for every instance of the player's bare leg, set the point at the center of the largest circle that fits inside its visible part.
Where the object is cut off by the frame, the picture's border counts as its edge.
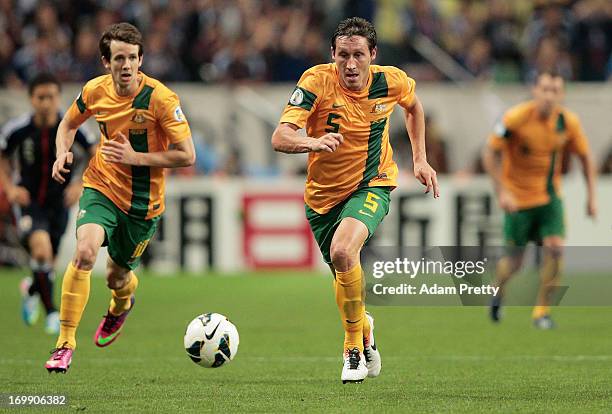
(507, 267)
(75, 293)
(122, 283)
(41, 257)
(550, 273)
(350, 294)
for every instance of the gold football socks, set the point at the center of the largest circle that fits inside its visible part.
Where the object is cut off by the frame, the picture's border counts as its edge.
(349, 298)
(120, 302)
(75, 293)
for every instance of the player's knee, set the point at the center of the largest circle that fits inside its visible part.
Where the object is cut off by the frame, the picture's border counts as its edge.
(342, 256)
(339, 255)
(41, 253)
(85, 256)
(554, 250)
(516, 263)
(40, 247)
(508, 266)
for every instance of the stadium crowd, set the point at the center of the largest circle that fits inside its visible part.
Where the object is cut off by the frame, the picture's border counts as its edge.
(276, 40)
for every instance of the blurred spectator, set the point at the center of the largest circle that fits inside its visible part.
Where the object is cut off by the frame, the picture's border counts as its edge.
(85, 63)
(41, 55)
(592, 39)
(503, 30)
(550, 56)
(477, 60)
(275, 40)
(237, 63)
(424, 19)
(421, 19)
(550, 19)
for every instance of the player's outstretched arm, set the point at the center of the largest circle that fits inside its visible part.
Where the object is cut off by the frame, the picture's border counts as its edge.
(415, 125)
(73, 191)
(14, 193)
(63, 142)
(588, 170)
(286, 139)
(119, 150)
(492, 162)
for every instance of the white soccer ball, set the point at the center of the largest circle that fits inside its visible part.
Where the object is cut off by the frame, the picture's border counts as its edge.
(211, 340)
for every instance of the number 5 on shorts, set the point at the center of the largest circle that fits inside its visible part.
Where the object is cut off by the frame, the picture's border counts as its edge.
(370, 202)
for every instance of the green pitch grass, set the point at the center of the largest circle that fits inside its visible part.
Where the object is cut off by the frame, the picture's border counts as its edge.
(434, 359)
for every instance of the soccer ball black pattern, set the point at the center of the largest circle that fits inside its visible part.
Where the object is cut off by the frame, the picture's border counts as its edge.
(211, 340)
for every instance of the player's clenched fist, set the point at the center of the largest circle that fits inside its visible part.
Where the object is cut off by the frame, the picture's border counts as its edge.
(62, 166)
(328, 142)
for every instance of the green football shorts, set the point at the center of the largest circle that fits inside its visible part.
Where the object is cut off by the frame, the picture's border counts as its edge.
(368, 205)
(126, 237)
(534, 224)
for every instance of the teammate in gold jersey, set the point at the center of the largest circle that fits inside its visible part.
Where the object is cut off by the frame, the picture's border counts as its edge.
(524, 160)
(345, 107)
(143, 131)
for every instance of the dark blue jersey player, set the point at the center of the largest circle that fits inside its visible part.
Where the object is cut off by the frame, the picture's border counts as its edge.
(27, 147)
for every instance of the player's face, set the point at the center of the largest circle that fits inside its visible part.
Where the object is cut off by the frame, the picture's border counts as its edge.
(353, 59)
(45, 99)
(548, 93)
(124, 64)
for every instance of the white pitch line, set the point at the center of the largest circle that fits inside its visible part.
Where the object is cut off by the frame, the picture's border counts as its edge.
(291, 359)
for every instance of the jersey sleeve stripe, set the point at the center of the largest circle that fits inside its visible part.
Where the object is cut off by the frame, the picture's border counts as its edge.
(302, 98)
(379, 88)
(80, 103)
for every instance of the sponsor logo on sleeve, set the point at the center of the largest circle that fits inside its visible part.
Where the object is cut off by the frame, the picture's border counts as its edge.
(297, 97)
(178, 114)
(500, 129)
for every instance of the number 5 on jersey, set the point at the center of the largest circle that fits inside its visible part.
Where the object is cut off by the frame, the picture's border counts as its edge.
(335, 127)
(370, 202)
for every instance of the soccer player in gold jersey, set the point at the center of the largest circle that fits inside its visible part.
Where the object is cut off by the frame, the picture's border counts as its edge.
(345, 107)
(524, 159)
(143, 131)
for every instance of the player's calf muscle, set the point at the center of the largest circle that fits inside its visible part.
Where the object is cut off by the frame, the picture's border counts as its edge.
(117, 277)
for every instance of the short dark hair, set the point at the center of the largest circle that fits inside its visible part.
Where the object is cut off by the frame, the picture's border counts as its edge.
(355, 26)
(123, 32)
(43, 78)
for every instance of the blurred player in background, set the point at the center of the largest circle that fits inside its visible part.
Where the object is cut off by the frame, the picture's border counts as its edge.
(523, 158)
(43, 203)
(143, 131)
(345, 107)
